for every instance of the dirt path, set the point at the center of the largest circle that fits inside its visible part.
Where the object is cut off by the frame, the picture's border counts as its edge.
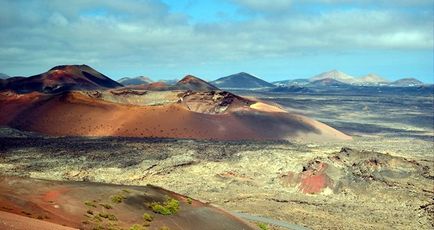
(266, 220)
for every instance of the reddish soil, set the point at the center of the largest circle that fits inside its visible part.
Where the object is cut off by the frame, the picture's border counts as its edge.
(313, 179)
(190, 82)
(78, 114)
(50, 204)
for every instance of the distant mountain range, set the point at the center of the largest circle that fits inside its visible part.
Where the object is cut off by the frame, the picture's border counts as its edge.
(338, 78)
(333, 78)
(83, 77)
(241, 81)
(406, 82)
(135, 80)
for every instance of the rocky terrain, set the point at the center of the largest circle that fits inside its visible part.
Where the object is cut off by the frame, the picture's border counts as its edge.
(316, 186)
(382, 179)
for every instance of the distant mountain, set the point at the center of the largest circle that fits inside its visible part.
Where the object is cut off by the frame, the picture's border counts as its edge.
(241, 81)
(170, 82)
(135, 80)
(368, 80)
(335, 75)
(327, 82)
(193, 83)
(4, 76)
(291, 82)
(406, 82)
(61, 78)
(372, 79)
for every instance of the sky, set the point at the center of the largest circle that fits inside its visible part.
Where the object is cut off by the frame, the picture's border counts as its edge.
(167, 39)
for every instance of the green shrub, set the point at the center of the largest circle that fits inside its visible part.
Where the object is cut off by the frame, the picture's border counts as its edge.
(90, 204)
(148, 217)
(189, 200)
(97, 219)
(118, 198)
(106, 206)
(137, 227)
(158, 208)
(112, 217)
(262, 226)
(169, 207)
(98, 227)
(172, 205)
(108, 216)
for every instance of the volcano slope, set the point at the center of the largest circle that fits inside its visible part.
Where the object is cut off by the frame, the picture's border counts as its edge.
(61, 78)
(84, 205)
(131, 112)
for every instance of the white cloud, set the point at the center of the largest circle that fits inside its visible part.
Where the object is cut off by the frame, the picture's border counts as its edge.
(134, 32)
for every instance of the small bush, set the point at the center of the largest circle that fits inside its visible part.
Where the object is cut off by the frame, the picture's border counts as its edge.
(137, 227)
(158, 208)
(118, 198)
(112, 217)
(148, 217)
(97, 219)
(108, 216)
(169, 207)
(189, 200)
(98, 227)
(90, 212)
(90, 204)
(262, 226)
(164, 228)
(106, 206)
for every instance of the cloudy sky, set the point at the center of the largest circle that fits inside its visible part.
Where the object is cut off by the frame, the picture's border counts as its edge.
(273, 39)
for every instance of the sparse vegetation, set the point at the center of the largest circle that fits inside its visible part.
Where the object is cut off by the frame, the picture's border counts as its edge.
(169, 207)
(108, 216)
(90, 204)
(148, 217)
(262, 226)
(164, 228)
(117, 198)
(137, 227)
(90, 212)
(106, 206)
(189, 200)
(98, 227)
(97, 218)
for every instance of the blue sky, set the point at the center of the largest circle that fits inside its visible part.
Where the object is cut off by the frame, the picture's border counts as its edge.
(167, 39)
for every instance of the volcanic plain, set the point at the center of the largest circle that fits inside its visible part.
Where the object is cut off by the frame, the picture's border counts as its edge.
(253, 154)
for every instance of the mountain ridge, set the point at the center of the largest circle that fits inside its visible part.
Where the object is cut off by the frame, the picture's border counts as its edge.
(241, 80)
(61, 78)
